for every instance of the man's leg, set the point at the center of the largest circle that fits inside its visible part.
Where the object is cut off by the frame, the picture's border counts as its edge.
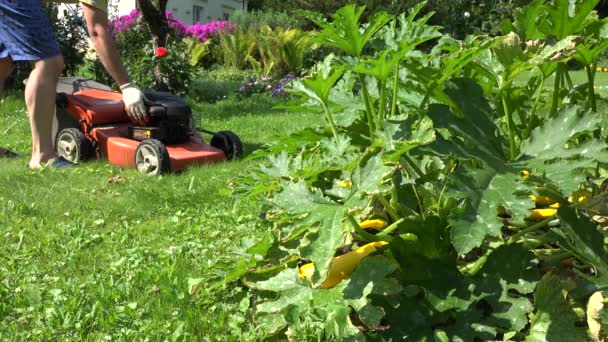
(6, 67)
(40, 100)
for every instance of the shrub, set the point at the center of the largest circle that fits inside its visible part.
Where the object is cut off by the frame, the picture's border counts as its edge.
(234, 48)
(280, 51)
(213, 90)
(255, 20)
(226, 74)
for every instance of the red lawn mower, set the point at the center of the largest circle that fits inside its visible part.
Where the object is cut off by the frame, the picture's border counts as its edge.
(91, 120)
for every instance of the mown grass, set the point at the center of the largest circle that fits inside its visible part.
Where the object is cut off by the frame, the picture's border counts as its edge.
(85, 259)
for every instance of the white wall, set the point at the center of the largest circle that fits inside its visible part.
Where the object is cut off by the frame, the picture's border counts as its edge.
(209, 9)
(120, 7)
(183, 9)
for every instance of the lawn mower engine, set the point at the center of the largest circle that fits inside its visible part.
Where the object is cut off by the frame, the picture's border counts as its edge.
(169, 120)
(91, 120)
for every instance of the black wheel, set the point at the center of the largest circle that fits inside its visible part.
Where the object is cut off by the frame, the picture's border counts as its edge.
(152, 158)
(71, 144)
(228, 142)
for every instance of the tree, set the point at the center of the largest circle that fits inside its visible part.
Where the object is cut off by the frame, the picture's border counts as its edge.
(153, 13)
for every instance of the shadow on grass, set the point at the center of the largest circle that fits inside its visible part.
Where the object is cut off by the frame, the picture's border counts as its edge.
(249, 148)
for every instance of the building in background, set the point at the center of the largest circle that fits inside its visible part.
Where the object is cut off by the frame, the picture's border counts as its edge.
(188, 11)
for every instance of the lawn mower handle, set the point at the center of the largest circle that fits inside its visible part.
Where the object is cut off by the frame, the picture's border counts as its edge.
(206, 131)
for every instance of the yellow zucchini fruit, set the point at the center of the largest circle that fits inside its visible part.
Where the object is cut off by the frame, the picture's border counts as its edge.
(542, 200)
(541, 214)
(341, 266)
(376, 223)
(345, 183)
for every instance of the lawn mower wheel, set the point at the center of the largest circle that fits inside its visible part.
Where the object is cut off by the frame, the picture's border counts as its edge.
(228, 142)
(152, 158)
(71, 144)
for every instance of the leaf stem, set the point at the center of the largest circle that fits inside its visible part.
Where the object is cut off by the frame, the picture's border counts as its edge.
(391, 228)
(567, 79)
(330, 119)
(365, 235)
(388, 208)
(369, 108)
(530, 229)
(411, 163)
(395, 92)
(510, 126)
(556, 87)
(537, 100)
(591, 92)
(382, 103)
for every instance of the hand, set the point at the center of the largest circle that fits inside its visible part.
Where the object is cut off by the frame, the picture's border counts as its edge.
(134, 101)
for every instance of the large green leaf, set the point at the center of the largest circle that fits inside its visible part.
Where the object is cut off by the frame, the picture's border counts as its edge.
(484, 192)
(590, 51)
(567, 17)
(400, 40)
(382, 65)
(581, 237)
(331, 307)
(433, 237)
(433, 74)
(509, 268)
(327, 233)
(293, 294)
(410, 30)
(419, 317)
(549, 140)
(467, 308)
(526, 20)
(567, 175)
(554, 319)
(478, 116)
(345, 32)
(370, 277)
(401, 134)
(368, 178)
(321, 79)
(476, 127)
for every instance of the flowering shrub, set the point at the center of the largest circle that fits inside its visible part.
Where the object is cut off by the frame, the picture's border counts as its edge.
(265, 85)
(198, 30)
(124, 23)
(208, 30)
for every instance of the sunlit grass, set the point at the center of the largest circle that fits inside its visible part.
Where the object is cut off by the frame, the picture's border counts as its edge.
(84, 258)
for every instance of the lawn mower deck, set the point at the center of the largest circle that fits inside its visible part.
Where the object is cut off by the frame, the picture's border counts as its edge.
(91, 120)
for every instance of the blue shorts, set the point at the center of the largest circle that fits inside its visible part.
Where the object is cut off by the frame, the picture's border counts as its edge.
(25, 31)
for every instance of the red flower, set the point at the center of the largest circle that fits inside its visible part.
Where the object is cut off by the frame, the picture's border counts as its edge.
(161, 52)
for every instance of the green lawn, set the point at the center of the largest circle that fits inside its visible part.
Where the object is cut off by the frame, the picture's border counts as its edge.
(81, 258)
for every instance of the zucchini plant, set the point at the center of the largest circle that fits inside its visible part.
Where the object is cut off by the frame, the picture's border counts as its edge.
(430, 208)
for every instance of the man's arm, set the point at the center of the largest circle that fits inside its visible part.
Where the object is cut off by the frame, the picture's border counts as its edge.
(97, 24)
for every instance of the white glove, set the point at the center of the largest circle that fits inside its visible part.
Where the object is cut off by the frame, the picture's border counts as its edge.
(134, 101)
